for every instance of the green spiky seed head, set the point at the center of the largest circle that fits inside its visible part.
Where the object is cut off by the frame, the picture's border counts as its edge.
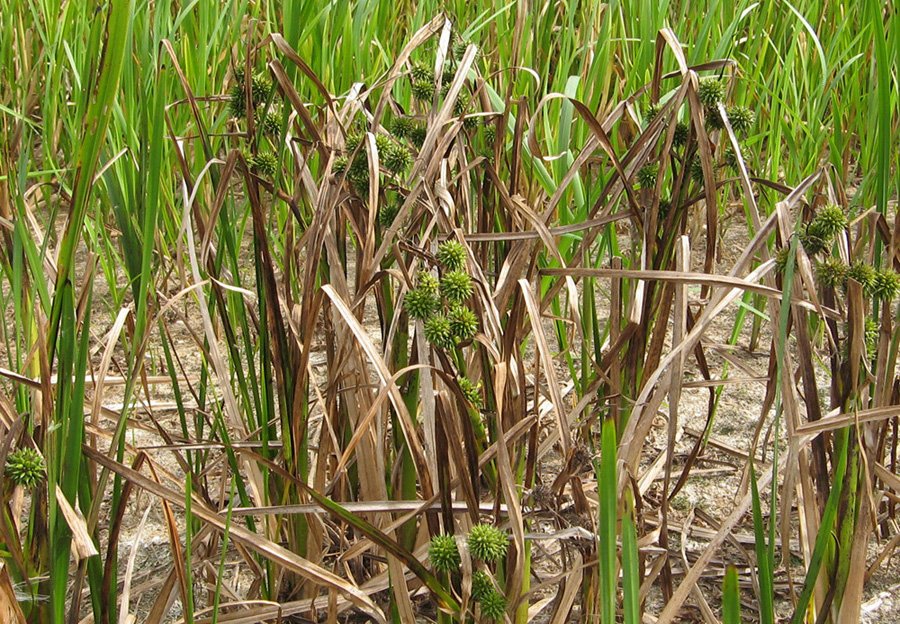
(816, 238)
(481, 585)
(452, 255)
(862, 273)
(650, 111)
(423, 90)
(239, 74)
(422, 73)
(711, 91)
(490, 133)
(359, 176)
(714, 119)
(387, 213)
(697, 171)
(885, 285)
(487, 543)
(401, 127)
(470, 390)
(439, 333)
(665, 205)
(831, 220)
(352, 142)
(417, 136)
(831, 272)
(729, 158)
(382, 144)
(646, 175)
(443, 553)
(24, 467)
(493, 605)
(463, 322)
(421, 304)
(264, 164)
(340, 165)
(260, 86)
(781, 259)
(872, 335)
(397, 159)
(428, 283)
(456, 286)
(681, 134)
(447, 76)
(742, 118)
(459, 48)
(270, 120)
(237, 104)
(460, 107)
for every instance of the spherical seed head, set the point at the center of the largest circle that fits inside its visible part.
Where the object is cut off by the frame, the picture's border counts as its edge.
(470, 390)
(382, 144)
(352, 142)
(714, 119)
(729, 157)
(742, 118)
(340, 165)
(831, 220)
(463, 322)
(428, 283)
(650, 110)
(862, 273)
(831, 272)
(439, 333)
(397, 159)
(237, 104)
(24, 467)
(447, 76)
(456, 286)
(422, 73)
(452, 255)
(886, 285)
(781, 259)
(359, 168)
(487, 542)
(420, 304)
(490, 133)
(239, 74)
(387, 213)
(270, 120)
(460, 107)
(646, 175)
(417, 135)
(697, 171)
(260, 86)
(401, 127)
(459, 49)
(665, 205)
(711, 91)
(872, 331)
(423, 90)
(481, 585)
(265, 164)
(493, 605)
(443, 553)
(815, 238)
(681, 134)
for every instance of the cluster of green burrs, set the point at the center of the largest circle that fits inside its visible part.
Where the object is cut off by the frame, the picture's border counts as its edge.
(441, 303)
(24, 467)
(265, 115)
(486, 543)
(393, 156)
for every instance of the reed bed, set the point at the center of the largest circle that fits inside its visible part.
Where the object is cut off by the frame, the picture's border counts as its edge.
(385, 311)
